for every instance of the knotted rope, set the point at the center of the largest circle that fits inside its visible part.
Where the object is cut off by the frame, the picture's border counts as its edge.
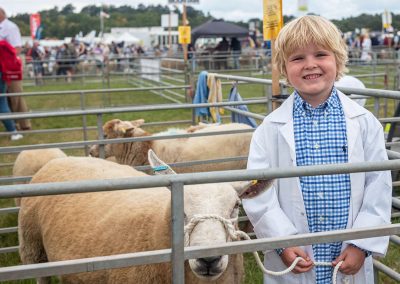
(236, 235)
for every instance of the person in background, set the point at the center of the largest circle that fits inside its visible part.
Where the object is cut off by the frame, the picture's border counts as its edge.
(319, 125)
(220, 52)
(9, 31)
(37, 61)
(236, 49)
(8, 62)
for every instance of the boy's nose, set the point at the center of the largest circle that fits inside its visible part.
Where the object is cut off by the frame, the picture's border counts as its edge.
(310, 64)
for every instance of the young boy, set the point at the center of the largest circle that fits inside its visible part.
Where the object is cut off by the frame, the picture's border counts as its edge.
(318, 124)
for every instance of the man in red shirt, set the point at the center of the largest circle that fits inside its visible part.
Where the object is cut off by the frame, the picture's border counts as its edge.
(9, 31)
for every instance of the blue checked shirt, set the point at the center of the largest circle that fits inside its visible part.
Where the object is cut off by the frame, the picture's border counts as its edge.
(320, 138)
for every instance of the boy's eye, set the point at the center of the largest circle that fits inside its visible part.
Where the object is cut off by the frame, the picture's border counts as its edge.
(295, 58)
(321, 54)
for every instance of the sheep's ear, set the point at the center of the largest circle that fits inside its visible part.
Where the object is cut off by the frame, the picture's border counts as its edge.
(251, 189)
(122, 127)
(158, 166)
(109, 126)
(137, 122)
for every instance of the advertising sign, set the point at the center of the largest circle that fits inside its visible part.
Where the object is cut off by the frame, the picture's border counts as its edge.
(169, 20)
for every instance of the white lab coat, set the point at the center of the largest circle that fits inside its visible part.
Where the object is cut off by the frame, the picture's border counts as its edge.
(280, 211)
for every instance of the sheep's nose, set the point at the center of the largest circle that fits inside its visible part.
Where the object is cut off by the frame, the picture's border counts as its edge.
(209, 261)
(93, 151)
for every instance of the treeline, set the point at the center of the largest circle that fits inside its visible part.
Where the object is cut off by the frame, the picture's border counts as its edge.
(64, 22)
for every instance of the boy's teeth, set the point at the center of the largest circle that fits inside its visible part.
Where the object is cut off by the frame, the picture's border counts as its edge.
(313, 76)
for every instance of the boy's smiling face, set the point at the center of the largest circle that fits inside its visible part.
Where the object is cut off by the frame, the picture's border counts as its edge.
(312, 70)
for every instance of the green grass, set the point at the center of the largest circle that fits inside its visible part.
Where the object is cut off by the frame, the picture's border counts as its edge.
(42, 103)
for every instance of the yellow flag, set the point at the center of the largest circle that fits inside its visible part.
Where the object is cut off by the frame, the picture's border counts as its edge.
(273, 19)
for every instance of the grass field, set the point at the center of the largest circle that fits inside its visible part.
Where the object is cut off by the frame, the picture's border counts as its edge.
(65, 102)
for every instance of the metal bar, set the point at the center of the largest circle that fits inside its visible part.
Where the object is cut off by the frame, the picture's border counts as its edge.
(125, 260)
(96, 91)
(95, 127)
(246, 113)
(9, 250)
(145, 168)
(124, 109)
(23, 190)
(395, 239)
(396, 202)
(83, 265)
(9, 210)
(387, 270)
(8, 230)
(84, 122)
(178, 256)
(100, 135)
(17, 149)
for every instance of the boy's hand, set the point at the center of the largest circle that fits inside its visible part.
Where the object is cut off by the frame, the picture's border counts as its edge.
(289, 255)
(353, 258)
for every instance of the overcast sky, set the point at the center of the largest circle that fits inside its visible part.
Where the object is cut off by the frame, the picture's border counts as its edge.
(229, 10)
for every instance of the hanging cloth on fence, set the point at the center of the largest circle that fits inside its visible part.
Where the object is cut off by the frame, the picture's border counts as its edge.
(234, 96)
(201, 97)
(215, 96)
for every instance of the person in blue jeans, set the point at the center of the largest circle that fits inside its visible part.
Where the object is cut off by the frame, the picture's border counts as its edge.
(9, 124)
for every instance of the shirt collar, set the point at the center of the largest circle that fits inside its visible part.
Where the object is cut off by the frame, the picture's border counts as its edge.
(301, 105)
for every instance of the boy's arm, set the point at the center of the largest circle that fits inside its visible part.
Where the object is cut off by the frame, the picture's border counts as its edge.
(377, 198)
(264, 211)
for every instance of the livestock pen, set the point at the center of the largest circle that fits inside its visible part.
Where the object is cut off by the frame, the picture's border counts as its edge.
(97, 113)
(177, 254)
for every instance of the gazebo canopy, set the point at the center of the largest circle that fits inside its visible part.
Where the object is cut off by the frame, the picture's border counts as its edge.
(218, 28)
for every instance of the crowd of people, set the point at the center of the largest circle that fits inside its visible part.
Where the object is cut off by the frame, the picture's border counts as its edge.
(361, 44)
(11, 76)
(63, 60)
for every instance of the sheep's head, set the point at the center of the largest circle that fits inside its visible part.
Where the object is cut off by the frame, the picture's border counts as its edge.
(216, 199)
(117, 128)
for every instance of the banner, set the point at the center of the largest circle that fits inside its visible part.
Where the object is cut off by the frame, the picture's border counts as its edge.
(386, 19)
(184, 34)
(35, 24)
(302, 6)
(104, 15)
(273, 19)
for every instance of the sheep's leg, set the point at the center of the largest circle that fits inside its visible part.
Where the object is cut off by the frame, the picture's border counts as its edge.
(31, 247)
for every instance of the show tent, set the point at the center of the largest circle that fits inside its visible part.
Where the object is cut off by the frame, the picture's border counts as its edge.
(218, 28)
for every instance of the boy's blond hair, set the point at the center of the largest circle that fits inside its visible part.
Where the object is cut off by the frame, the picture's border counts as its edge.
(307, 30)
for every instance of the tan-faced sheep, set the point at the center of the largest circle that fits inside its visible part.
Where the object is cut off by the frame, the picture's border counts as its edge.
(178, 150)
(63, 227)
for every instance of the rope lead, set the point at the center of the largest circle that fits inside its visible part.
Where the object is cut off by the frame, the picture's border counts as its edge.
(237, 235)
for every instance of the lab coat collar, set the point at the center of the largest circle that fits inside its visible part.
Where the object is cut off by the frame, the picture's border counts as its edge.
(284, 113)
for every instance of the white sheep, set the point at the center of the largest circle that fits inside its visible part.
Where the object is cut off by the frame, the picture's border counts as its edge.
(28, 162)
(178, 150)
(62, 227)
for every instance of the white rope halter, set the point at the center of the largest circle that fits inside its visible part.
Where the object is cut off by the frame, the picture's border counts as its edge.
(236, 235)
